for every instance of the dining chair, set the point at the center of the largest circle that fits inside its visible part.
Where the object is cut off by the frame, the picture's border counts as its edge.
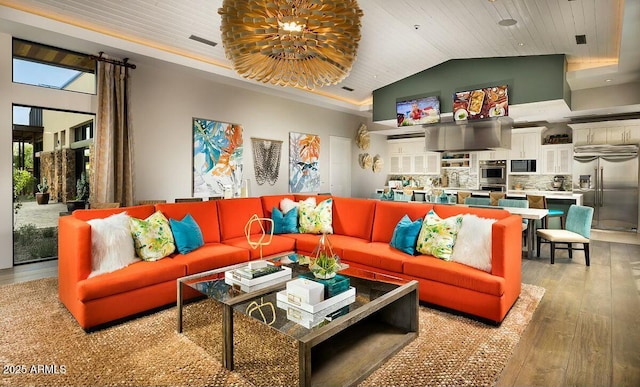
(540, 201)
(462, 195)
(477, 201)
(187, 200)
(578, 230)
(150, 201)
(495, 196)
(520, 204)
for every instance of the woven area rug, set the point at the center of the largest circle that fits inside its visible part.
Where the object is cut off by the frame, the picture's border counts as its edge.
(42, 345)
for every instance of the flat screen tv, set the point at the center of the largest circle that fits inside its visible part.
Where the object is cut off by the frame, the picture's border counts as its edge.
(418, 111)
(481, 103)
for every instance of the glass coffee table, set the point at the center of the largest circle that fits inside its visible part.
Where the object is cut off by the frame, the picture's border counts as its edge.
(381, 321)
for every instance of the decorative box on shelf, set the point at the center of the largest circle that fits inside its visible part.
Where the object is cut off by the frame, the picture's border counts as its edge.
(238, 278)
(332, 286)
(303, 290)
(310, 316)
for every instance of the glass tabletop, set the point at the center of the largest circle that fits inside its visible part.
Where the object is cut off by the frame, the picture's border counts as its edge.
(278, 312)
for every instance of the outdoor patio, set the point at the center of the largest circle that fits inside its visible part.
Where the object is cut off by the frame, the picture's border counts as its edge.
(45, 215)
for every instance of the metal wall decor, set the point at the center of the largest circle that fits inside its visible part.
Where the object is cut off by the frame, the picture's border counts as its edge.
(266, 160)
(300, 43)
(378, 164)
(363, 139)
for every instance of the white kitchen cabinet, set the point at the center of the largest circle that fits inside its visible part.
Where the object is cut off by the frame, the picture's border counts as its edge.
(400, 163)
(557, 159)
(410, 157)
(493, 155)
(589, 136)
(525, 144)
(623, 135)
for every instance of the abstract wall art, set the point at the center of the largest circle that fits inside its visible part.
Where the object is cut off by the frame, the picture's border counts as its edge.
(304, 159)
(217, 157)
(266, 160)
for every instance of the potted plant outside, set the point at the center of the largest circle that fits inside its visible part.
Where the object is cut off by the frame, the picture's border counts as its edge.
(42, 196)
(82, 194)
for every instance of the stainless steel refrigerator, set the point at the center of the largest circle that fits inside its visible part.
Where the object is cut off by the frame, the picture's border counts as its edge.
(607, 176)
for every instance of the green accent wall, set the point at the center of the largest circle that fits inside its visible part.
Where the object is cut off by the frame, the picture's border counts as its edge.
(530, 79)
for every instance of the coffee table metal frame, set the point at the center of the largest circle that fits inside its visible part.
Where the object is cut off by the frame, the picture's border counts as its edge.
(342, 352)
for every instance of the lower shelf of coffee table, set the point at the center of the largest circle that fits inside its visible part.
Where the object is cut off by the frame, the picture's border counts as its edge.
(350, 356)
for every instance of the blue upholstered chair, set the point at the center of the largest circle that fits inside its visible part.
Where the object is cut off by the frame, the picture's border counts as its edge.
(540, 201)
(474, 201)
(521, 204)
(577, 230)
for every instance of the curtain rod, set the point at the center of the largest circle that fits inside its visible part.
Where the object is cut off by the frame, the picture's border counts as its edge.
(124, 62)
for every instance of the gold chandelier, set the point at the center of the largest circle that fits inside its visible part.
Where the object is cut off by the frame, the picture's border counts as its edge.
(301, 43)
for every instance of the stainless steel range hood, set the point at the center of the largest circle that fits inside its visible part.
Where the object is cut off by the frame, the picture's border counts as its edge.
(470, 136)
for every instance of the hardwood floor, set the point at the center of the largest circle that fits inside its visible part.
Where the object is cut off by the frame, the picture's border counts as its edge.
(585, 331)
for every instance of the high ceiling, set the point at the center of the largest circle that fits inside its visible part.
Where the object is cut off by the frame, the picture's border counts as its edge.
(399, 37)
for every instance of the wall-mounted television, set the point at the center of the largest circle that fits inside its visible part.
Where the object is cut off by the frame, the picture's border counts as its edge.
(481, 103)
(418, 111)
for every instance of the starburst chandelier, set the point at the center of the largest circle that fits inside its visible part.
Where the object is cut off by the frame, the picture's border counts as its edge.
(301, 43)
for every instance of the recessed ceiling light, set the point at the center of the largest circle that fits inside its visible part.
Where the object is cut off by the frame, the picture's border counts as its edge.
(520, 44)
(507, 22)
(607, 80)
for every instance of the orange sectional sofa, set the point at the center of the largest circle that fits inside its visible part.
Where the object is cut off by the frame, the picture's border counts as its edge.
(362, 231)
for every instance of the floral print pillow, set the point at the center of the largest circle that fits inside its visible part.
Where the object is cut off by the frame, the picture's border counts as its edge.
(316, 219)
(437, 236)
(152, 237)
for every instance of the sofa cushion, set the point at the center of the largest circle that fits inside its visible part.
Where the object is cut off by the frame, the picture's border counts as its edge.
(212, 256)
(152, 237)
(473, 244)
(316, 219)
(353, 217)
(405, 236)
(378, 255)
(270, 201)
(204, 213)
(186, 234)
(140, 212)
(437, 235)
(135, 276)
(111, 244)
(279, 244)
(388, 214)
(235, 213)
(284, 223)
(455, 274)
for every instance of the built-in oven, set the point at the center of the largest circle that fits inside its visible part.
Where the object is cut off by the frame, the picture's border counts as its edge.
(493, 187)
(493, 172)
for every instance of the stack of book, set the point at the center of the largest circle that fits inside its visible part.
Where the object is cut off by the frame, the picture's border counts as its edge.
(249, 279)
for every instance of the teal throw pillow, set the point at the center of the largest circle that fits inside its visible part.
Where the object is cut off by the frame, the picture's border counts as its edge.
(285, 223)
(405, 235)
(187, 234)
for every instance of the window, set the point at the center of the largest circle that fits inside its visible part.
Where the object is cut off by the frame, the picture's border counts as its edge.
(83, 131)
(45, 66)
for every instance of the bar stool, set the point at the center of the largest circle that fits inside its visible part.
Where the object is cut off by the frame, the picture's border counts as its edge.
(495, 197)
(462, 195)
(540, 201)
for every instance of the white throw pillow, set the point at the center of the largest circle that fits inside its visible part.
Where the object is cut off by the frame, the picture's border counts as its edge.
(287, 204)
(473, 246)
(111, 244)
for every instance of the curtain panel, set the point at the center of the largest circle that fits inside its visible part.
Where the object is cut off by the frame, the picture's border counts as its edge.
(113, 170)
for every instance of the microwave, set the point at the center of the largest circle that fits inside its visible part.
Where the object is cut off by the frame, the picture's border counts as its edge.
(520, 166)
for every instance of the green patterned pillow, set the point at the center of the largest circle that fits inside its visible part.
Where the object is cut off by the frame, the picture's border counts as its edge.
(316, 219)
(437, 236)
(152, 237)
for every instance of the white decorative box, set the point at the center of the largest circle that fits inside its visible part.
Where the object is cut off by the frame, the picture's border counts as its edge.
(302, 290)
(350, 294)
(310, 320)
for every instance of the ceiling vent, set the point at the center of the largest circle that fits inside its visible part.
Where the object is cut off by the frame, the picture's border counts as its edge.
(581, 39)
(203, 40)
(347, 88)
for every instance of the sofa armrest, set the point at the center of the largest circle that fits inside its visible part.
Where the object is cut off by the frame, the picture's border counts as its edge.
(506, 248)
(74, 255)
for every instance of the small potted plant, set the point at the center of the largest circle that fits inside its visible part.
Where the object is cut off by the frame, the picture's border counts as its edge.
(42, 196)
(324, 263)
(82, 194)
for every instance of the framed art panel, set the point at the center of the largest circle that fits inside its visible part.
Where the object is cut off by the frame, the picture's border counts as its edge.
(217, 158)
(304, 158)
